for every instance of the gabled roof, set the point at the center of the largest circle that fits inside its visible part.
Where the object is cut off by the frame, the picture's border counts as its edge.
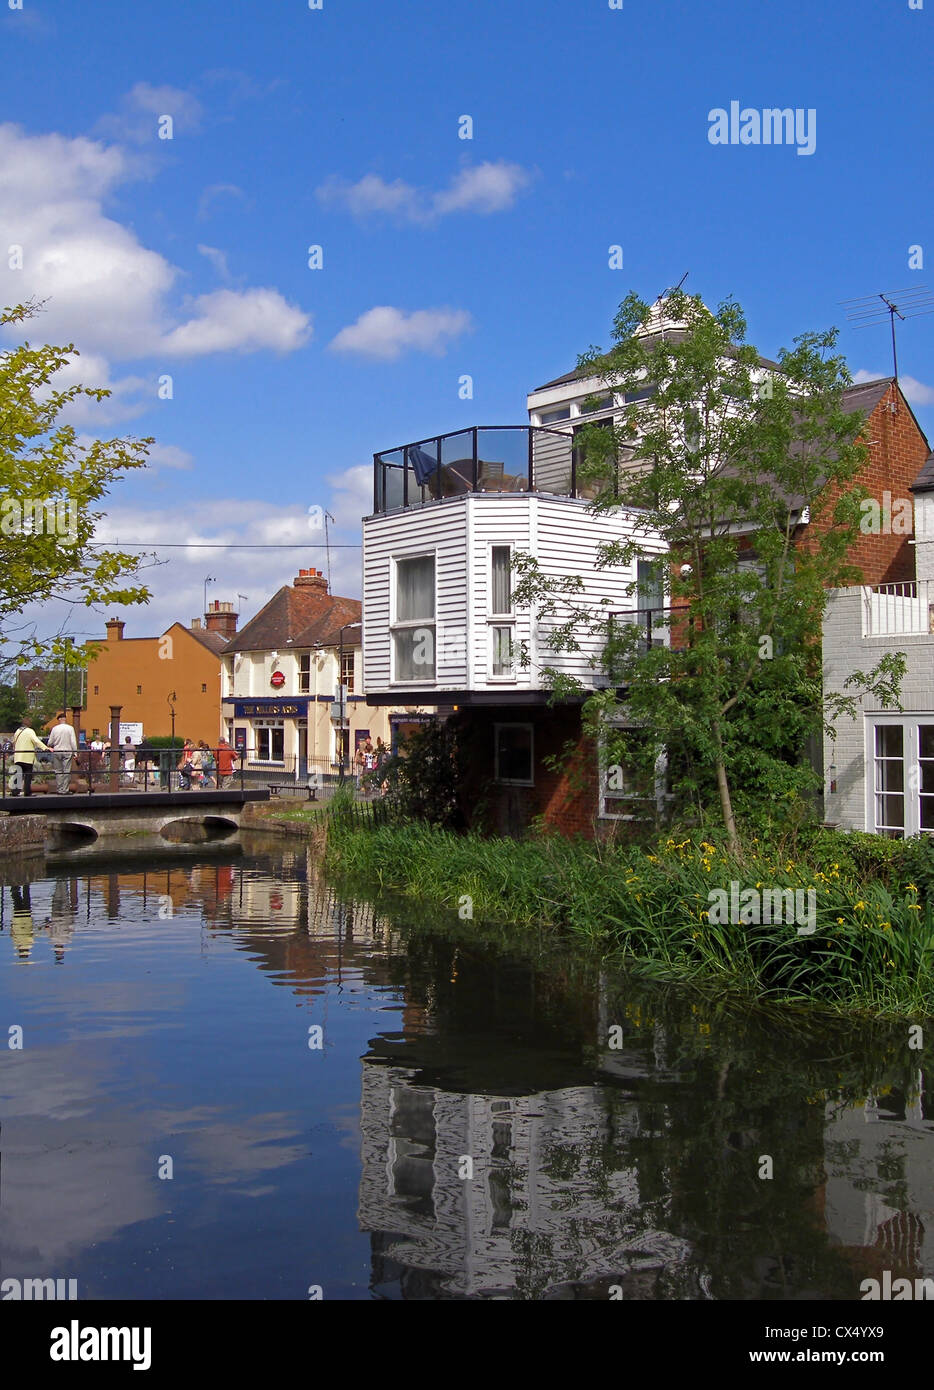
(298, 616)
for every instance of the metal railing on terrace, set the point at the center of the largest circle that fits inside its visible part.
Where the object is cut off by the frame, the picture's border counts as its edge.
(484, 458)
(898, 610)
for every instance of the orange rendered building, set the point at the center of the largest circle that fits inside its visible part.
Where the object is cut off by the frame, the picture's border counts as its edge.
(148, 676)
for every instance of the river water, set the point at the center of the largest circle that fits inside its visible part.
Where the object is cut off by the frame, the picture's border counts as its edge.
(236, 1082)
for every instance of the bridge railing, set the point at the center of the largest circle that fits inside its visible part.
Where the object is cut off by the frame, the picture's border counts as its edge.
(153, 770)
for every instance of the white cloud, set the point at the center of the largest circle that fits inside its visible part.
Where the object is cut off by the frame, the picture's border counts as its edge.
(385, 332)
(241, 321)
(218, 260)
(142, 108)
(483, 188)
(914, 391)
(212, 193)
(129, 396)
(169, 456)
(102, 288)
(487, 188)
(372, 194)
(159, 455)
(177, 581)
(178, 585)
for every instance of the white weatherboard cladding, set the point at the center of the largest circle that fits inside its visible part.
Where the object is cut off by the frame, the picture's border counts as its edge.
(846, 650)
(439, 530)
(561, 532)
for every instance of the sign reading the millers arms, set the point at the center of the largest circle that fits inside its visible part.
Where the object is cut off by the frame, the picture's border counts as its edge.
(262, 709)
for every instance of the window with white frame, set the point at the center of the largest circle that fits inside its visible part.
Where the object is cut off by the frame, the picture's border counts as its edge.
(304, 673)
(901, 791)
(413, 629)
(513, 754)
(630, 788)
(501, 618)
(347, 669)
(270, 740)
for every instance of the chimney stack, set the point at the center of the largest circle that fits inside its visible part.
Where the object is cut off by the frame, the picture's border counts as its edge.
(221, 618)
(114, 630)
(310, 579)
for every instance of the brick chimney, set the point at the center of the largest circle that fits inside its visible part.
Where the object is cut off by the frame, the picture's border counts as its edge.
(310, 579)
(114, 630)
(221, 618)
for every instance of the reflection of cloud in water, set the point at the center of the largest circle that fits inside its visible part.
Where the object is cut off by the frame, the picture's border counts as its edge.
(75, 1171)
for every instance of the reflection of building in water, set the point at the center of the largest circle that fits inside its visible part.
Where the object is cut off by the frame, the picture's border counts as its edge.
(879, 1192)
(552, 1200)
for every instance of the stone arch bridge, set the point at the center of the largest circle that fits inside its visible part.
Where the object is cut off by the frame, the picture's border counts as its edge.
(104, 816)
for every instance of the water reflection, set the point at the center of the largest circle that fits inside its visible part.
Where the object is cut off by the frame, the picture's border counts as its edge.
(475, 1125)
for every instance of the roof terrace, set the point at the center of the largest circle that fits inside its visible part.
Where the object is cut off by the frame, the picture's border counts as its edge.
(485, 458)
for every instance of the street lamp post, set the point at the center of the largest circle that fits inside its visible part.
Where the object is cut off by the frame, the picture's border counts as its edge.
(171, 702)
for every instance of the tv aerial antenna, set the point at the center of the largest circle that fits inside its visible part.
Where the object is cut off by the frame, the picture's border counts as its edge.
(327, 544)
(867, 312)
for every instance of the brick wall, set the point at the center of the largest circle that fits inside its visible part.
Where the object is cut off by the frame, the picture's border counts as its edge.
(566, 798)
(897, 453)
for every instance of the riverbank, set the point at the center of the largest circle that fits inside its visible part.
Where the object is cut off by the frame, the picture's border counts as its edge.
(856, 934)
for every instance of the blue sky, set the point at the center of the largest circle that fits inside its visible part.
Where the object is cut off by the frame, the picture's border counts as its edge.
(338, 127)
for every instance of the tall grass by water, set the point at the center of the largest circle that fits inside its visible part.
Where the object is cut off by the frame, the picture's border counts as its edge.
(871, 949)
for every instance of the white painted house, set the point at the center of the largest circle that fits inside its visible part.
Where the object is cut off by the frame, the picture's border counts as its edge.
(440, 622)
(879, 766)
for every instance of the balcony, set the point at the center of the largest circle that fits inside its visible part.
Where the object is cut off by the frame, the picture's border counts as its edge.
(492, 459)
(898, 610)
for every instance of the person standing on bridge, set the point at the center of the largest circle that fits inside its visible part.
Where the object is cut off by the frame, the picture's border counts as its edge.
(26, 743)
(226, 760)
(64, 746)
(185, 766)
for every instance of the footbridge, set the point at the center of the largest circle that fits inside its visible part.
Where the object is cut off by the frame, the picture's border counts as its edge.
(185, 816)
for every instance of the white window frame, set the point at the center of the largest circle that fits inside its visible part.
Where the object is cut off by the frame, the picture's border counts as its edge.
(395, 625)
(497, 621)
(624, 798)
(264, 724)
(514, 781)
(910, 725)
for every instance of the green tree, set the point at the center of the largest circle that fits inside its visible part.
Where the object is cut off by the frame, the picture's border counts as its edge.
(423, 779)
(50, 485)
(12, 707)
(722, 463)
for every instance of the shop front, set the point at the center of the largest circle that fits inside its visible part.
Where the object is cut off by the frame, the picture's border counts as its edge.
(269, 733)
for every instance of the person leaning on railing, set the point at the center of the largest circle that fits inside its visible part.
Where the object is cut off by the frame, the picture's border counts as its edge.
(26, 743)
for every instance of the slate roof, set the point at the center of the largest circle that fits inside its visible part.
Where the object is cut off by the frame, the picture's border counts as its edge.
(307, 614)
(214, 641)
(925, 479)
